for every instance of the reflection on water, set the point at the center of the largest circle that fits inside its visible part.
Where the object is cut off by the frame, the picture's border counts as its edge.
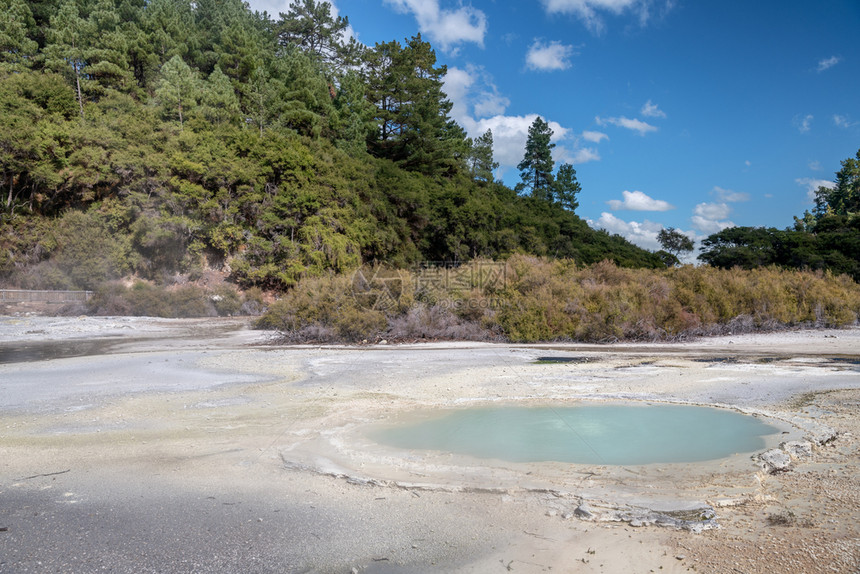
(588, 434)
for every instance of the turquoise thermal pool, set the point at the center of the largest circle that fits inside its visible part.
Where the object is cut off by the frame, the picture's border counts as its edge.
(588, 434)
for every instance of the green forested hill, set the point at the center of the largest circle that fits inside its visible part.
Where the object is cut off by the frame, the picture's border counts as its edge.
(162, 137)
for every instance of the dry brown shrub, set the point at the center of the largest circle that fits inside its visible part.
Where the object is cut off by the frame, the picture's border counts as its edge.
(544, 300)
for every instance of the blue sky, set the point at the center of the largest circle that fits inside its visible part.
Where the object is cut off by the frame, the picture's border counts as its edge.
(692, 114)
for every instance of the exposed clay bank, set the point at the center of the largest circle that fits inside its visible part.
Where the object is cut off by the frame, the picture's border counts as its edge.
(255, 458)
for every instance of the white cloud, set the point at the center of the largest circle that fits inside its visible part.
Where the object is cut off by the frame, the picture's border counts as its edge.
(711, 217)
(841, 121)
(708, 226)
(491, 104)
(589, 11)
(650, 110)
(583, 155)
(548, 57)
(457, 83)
(631, 124)
(804, 123)
(643, 234)
(638, 201)
(828, 63)
(510, 134)
(730, 196)
(446, 28)
(594, 137)
(811, 184)
(473, 94)
(712, 210)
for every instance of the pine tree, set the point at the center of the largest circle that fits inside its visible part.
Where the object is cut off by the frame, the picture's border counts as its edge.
(537, 165)
(352, 119)
(412, 110)
(481, 162)
(106, 52)
(311, 26)
(566, 187)
(178, 91)
(300, 100)
(65, 51)
(219, 102)
(15, 46)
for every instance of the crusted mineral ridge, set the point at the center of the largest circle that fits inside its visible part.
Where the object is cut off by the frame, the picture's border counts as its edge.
(696, 519)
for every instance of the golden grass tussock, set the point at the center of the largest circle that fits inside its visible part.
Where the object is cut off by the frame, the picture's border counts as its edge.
(530, 299)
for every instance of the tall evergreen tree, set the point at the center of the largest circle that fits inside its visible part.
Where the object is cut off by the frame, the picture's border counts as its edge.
(565, 187)
(106, 53)
(16, 47)
(352, 119)
(412, 110)
(302, 100)
(481, 163)
(219, 102)
(65, 50)
(171, 28)
(311, 26)
(537, 164)
(179, 90)
(259, 93)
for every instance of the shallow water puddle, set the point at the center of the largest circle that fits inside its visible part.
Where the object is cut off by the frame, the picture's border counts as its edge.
(587, 434)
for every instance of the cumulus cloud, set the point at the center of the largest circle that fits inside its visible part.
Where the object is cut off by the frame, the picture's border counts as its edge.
(643, 234)
(491, 104)
(477, 107)
(638, 126)
(582, 155)
(811, 184)
(828, 63)
(510, 134)
(638, 201)
(473, 94)
(590, 11)
(446, 28)
(650, 110)
(727, 195)
(712, 217)
(548, 57)
(594, 137)
(457, 83)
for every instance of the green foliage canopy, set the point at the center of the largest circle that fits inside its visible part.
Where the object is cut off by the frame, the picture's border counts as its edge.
(186, 135)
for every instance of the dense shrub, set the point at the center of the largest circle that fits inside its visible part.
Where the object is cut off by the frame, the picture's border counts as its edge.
(147, 300)
(324, 309)
(542, 300)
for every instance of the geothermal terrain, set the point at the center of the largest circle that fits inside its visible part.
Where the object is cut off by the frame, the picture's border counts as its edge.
(133, 444)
